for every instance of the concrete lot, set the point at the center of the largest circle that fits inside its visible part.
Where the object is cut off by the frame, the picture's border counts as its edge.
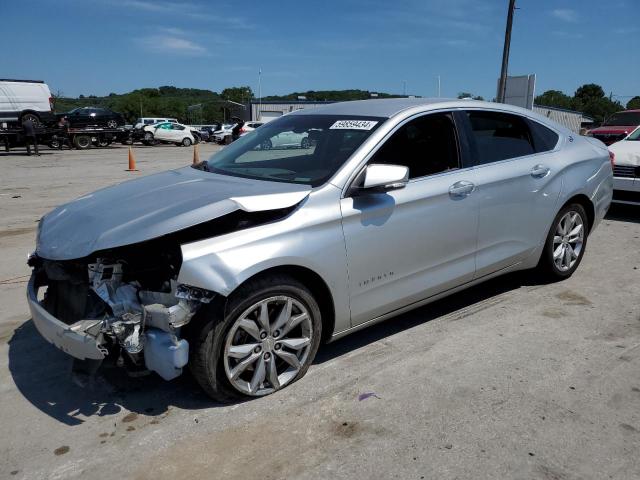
(511, 379)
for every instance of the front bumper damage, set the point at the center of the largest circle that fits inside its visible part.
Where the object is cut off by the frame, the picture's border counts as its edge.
(81, 340)
(140, 327)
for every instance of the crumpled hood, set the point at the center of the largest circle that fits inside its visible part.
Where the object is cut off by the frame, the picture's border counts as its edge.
(627, 152)
(152, 206)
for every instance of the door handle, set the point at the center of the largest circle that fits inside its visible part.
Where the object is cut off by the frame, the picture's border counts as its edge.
(461, 188)
(540, 171)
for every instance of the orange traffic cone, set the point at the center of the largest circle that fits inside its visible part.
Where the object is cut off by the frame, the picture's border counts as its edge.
(132, 161)
(196, 154)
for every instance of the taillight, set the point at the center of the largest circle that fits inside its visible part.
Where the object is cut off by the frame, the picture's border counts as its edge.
(612, 158)
(51, 103)
(242, 130)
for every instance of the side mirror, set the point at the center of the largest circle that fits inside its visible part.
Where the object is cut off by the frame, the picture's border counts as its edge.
(381, 178)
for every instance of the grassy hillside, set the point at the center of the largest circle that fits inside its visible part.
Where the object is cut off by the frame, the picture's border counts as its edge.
(150, 102)
(172, 102)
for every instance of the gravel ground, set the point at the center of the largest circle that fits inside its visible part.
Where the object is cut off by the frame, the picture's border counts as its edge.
(510, 379)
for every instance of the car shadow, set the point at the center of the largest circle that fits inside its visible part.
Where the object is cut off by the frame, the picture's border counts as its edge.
(624, 213)
(42, 373)
(431, 311)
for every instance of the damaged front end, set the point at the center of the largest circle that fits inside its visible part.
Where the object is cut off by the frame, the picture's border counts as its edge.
(123, 303)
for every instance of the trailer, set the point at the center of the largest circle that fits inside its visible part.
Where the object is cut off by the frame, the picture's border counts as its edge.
(80, 138)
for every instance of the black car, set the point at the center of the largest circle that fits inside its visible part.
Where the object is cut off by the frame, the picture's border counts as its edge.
(93, 117)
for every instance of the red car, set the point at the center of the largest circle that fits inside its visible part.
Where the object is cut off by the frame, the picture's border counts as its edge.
(618, 126)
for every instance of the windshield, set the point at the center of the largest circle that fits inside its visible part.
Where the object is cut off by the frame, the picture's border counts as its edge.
(623, 118)
(305, 149)
(635, 135)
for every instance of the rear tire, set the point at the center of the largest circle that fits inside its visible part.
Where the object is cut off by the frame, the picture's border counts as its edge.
(565, 243)
(217, 339)
(33, 117)
(82, 142)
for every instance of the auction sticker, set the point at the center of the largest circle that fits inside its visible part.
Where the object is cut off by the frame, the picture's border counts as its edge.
(353, 125)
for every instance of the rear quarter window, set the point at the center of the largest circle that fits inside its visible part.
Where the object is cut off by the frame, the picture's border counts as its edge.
(544, 139)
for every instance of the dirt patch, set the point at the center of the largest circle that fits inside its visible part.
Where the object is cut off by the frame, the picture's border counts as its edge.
(628, 428)
(61, 450)
(554, 313)
(130, 417)
(208, 455)
(573, 298)
(16, 231)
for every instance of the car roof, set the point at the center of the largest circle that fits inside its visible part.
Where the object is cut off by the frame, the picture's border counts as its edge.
(388, 107)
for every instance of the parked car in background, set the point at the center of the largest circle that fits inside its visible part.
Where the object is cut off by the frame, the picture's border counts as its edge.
(288, 139)
(253, 258)
(25, 99)
(225, 130)
(626, 170)
(169, 132)
(250, 127)
(210, 129)
(141, 122)
(618, 126)
(204, 134)
(93, 117)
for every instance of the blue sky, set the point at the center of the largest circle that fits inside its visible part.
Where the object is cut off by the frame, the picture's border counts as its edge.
(101, 46)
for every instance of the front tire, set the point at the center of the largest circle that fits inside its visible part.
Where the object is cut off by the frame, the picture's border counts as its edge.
(186, 142)
(565, 243)
(262, 339)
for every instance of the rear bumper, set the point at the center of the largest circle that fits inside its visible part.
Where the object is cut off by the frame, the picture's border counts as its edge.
(80, 340)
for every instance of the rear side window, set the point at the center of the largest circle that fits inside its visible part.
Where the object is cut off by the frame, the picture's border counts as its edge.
(544, 139)
(500, 136)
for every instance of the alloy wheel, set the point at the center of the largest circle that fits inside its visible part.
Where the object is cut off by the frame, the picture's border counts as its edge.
(568, 241)
(268, 345)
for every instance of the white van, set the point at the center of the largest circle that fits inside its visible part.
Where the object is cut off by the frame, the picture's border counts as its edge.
(22, 99)
(141, 122)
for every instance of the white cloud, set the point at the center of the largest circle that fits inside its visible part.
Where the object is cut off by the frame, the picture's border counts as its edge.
(172, 45)
(565, 14)
(184, 9)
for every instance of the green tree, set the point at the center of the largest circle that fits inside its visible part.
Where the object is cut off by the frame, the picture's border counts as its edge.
(590, 99)
(589, 92)
(555, 98)
(469, 95)
(237, 94)
(633, 104)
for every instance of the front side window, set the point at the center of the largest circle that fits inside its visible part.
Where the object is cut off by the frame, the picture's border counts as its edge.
(426, 146)
(500, 136)
(176, 127)
(306, 149)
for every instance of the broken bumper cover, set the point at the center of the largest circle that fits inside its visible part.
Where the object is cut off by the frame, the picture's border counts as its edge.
(75, 340)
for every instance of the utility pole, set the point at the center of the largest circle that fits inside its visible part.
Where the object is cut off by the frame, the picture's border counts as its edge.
(438, 86)
(502, 87)
(259, 94)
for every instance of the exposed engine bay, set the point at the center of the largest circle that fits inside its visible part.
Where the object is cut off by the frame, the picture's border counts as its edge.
(129, 301)
(125, 302)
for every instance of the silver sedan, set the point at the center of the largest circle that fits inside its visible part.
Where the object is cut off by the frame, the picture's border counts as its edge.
(242, 265)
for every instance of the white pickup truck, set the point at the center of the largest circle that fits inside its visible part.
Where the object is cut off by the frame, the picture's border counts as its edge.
(22, 99)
